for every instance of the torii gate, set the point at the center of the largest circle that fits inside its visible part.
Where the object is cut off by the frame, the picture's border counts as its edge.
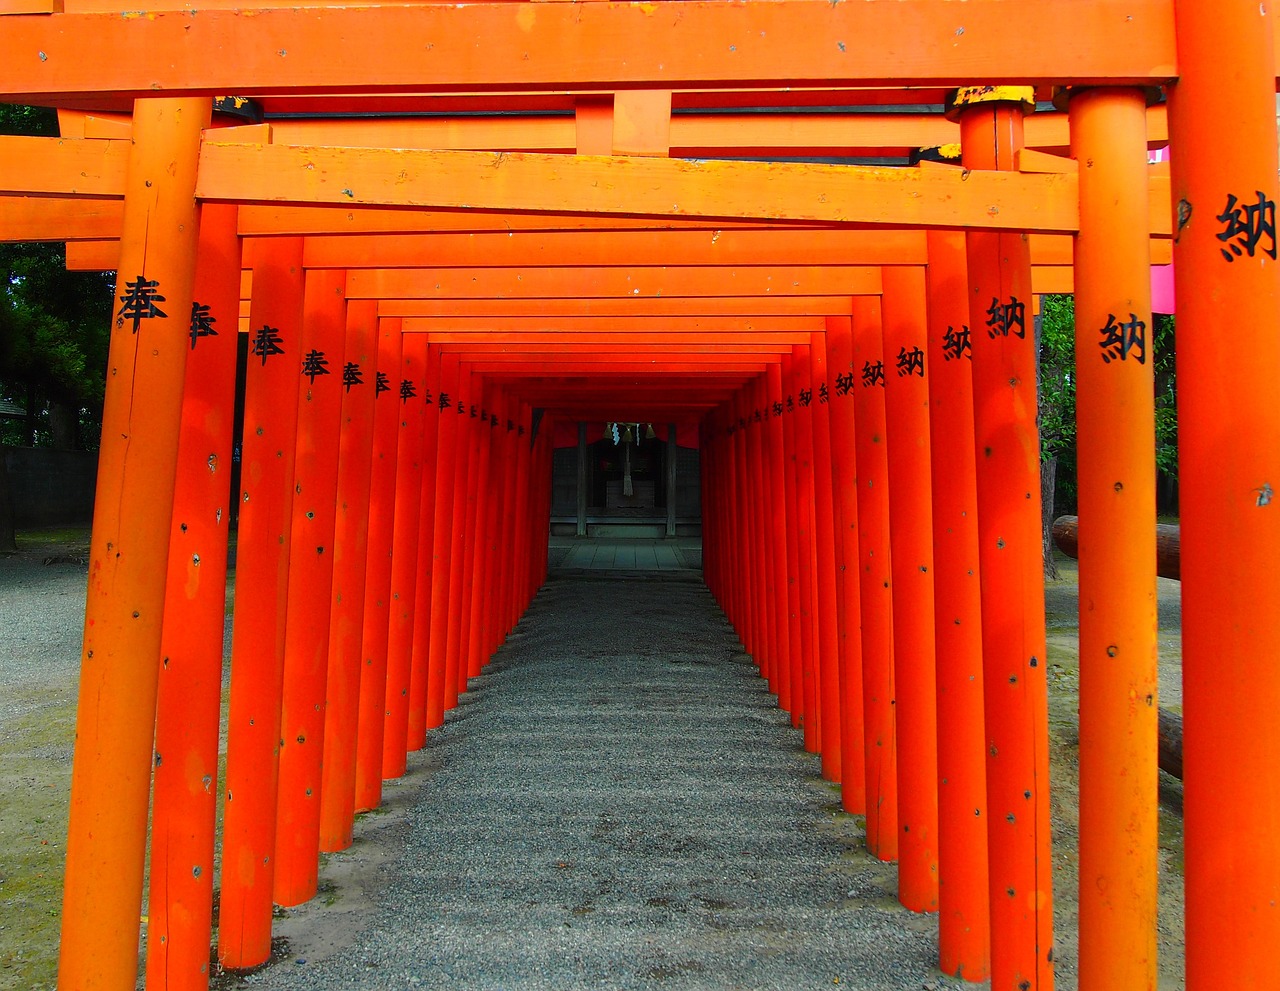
(800, 278)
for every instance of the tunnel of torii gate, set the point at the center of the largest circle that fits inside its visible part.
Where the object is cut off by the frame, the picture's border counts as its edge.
(449, 231)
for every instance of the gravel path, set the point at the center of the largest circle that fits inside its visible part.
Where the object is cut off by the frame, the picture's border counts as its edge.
(619, 803)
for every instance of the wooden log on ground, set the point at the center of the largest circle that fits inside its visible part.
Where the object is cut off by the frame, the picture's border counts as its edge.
(1066, 537)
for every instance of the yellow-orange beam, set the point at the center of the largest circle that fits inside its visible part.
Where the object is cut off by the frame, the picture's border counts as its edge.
(59, 218)
(642, 347)
(595, 46)
(591, 248)
(640, 186)
(605, 325)
(621, 306)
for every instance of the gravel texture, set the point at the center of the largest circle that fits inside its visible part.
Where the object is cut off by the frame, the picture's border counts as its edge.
(617, 802)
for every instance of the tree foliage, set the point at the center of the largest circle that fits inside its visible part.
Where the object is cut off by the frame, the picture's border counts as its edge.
(54, 329)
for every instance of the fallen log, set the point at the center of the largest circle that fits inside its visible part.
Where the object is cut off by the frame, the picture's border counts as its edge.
(1168, 564)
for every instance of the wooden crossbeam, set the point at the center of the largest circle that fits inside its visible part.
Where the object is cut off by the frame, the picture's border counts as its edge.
(587, 46)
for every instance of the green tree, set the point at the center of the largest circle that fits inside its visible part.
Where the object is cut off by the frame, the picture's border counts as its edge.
(1058, 409)
(54, 335)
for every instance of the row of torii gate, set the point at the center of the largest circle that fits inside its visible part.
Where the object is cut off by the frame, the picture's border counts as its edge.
(459, 224)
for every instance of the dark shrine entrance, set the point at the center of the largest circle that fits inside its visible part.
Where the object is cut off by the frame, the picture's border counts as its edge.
(623, 480)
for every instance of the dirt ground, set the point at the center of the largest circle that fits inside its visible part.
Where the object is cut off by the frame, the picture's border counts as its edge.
(41, 606)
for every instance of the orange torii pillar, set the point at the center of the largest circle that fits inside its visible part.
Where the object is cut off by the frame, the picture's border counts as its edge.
(853, 772)
(119, 665)
(408, 385)
(442, 539)
(185, 804)
(1223, 130)
(810, 643)
(371, 723)
(306, 640)
(456, 492)
(875, 577)
(905, 329)
(824, 532)
(477, 479)
(964, 928)
(754, 494)
(741, 575)
(496, 519)
(795, 645)
(1116, 477)
(420, 658)
(350, 570)
(262, 580)
(1007, 446)
(524, 513)
(776, 506)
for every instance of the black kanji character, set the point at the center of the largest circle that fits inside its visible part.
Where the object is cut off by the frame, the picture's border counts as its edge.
(381, 384)
(1008, 318)
(910, 362)
(444, 400)
(791, 404)
(511, 425)
(139, 302)
(806, 397)
(873, 373)
(315, 363)
(266, 342)
(1122, 340)
(823, 395)
(1245, 224)
(351, 375)
(956, 344)
(407, 390)
(844, 383)
(777, 408)
(201, 323)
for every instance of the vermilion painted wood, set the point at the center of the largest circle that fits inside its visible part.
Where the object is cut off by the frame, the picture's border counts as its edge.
(911, 537)
(1227, 449)
(1115, 439)
(810, 635)
(828, 656)
(964, 927)
(262, 579)
(477, 482)
(1010, 556)
(310, 590)
(776, 524)
(350, 570)
(853, 788)
(875, 582)
(115, 720)
(455, 668)
(529, 51)
(795, 651)
(376, 626)
(764, 533)
(420, 658)
(188, 705)
(408, 386)
(442, 540)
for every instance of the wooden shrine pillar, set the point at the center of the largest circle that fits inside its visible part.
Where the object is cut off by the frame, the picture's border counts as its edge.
(581, 530)
(765, 653)
(442, 538)
(964, 927)
(188, 710)
(318, 388)
(673, 456)
(408, 388)
(1007, 445)
(906, 377)
(853, 787)
(137, 467)
(875, 580)
(370, 724)
(795, 646)
(775, 483)
(262, 581)
(350, 568)
(1222, 127)
(810, 642)
(455, 665)
(420, 655)
(1116, 480)
(824, 533)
